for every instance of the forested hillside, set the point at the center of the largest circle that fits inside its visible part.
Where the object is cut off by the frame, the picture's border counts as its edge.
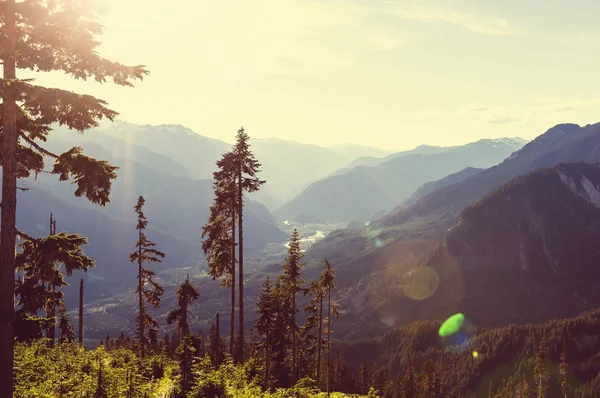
(144, 260)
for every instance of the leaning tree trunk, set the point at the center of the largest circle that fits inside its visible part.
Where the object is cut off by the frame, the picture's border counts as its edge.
(9, 207)
(81, 311)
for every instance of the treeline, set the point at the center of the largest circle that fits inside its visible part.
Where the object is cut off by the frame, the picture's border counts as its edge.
(556, 359)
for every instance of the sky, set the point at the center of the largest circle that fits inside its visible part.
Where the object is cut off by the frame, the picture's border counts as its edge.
(389, 74)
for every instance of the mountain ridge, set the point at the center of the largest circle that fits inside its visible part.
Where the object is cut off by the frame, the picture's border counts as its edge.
(392, 181)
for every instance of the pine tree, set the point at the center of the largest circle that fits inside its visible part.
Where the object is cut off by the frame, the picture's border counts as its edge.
(59, 35)
(51, 305)
(246, 167)
(186, 294)
(311, 339)
(65, 329)
(409, 383)
(148, 289)
(216, 346)
(38, 260)
(185, 354)
(541, 371)
(427, 380)
(121, 340)
(293, 282)
(281, 340)
(102, 385)
(563, 368)
(264, 323)
(328, 284)
(218, 233)
(109, 343)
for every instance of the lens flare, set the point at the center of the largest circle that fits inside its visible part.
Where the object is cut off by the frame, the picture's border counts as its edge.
(451, 325)
(421, 283)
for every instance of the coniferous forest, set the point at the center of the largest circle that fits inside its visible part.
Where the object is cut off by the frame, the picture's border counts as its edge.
(291, 350)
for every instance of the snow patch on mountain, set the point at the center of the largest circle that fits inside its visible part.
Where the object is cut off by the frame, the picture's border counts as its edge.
(593, 195)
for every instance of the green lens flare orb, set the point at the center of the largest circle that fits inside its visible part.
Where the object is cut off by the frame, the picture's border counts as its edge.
(451, 325)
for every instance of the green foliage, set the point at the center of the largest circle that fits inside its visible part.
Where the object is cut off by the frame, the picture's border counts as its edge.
(47, 36)
(186, 294)
(70, 370)
(38, 261)
(66, 332)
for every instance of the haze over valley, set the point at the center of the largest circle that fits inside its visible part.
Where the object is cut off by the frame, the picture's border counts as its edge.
(299, 198)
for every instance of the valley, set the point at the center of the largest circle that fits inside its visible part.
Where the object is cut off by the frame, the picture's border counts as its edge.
(298, 199)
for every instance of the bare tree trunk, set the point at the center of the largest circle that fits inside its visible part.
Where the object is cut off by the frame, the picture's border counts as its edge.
(141, 325)
(241, 261)
(319, 344)
(9, 207)
(81, 311)
(51, 311)
(267, 353)
(293, 327)
(232, 326)
(328, 339)
(218, 342)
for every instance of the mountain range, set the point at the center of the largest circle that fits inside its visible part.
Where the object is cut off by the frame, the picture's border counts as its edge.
(287, 166)
(527, 250)
(377, 262)
(365, 191)
(516, 245)
(171, 166)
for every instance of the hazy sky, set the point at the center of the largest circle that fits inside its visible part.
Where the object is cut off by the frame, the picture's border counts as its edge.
(391, 74)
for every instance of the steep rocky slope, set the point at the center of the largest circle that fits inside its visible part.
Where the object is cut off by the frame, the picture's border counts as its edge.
(526, 252)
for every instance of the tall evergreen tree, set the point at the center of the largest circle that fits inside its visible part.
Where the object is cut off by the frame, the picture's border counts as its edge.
(185, 354)
(311, 338)
(218, 233)
(264, 324)
(186, 294)
(328, 284)
(293, 282)
(148, 289)
(541, 371)
(246, 181)
(51, 307)
(281, 338)
(59, 35)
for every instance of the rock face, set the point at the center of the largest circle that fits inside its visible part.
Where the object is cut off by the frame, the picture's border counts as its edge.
(526, 252)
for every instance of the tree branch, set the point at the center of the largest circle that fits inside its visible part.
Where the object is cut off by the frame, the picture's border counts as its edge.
(23, 235)
(37, 146)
